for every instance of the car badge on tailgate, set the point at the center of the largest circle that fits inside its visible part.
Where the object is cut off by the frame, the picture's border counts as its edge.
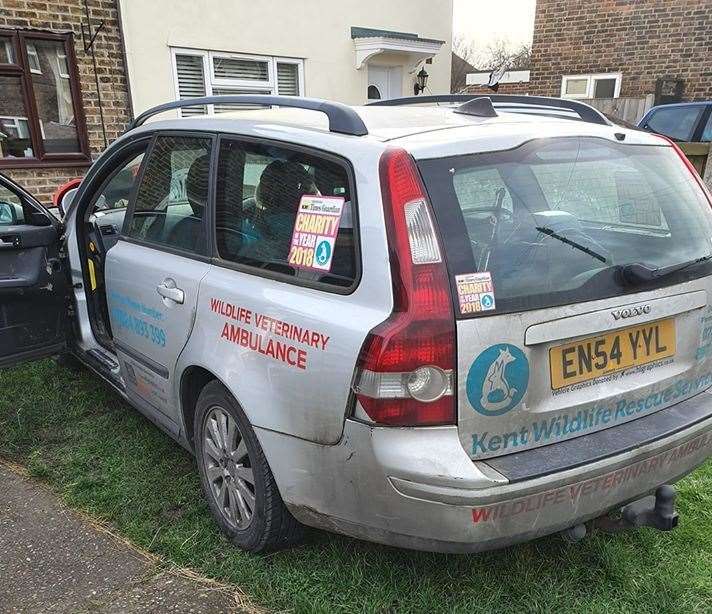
(630, 312)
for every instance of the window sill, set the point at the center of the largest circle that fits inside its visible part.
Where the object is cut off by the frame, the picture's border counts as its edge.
(19, 163)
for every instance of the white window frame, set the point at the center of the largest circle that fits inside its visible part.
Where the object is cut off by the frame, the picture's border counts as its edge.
(17, 123)
(210, 81)
(300, 70)
(250, 84)
(591, 83)
(10, 52)
(32, 53)
(62, 61)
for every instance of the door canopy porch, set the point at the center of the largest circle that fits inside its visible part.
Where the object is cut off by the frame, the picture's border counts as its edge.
(370, 42)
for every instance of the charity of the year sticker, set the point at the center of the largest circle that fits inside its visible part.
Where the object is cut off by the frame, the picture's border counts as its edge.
(315, 230)
(475, 292)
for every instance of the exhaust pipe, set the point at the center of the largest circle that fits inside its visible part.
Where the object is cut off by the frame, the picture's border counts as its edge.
(575, 534)
(656, 511)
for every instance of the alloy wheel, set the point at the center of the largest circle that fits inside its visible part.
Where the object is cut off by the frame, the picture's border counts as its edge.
(228, 468)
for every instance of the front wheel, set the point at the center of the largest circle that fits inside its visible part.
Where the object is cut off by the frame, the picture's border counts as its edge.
(236, 478)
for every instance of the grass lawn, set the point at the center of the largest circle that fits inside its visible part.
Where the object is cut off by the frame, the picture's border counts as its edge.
(104, 458)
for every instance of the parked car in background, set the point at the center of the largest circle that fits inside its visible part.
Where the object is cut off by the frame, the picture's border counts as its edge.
(684, 121)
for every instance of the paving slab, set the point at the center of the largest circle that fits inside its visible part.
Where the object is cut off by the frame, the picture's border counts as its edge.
(53, 560)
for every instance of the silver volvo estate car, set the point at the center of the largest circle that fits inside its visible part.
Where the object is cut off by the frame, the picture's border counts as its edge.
(445, 323)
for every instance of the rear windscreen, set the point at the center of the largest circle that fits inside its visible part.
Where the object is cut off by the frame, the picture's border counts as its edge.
(557, 221)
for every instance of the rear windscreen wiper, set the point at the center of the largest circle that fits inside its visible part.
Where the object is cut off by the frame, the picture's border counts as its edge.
(554, 235)
(636, 272)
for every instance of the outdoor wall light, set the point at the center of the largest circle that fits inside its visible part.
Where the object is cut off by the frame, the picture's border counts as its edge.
(422, 81)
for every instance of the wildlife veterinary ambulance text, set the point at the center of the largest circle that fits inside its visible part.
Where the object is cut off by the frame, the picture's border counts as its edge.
(255, 331)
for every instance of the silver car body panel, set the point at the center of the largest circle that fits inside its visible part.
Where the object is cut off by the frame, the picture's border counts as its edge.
(151, 330)
(386, 485)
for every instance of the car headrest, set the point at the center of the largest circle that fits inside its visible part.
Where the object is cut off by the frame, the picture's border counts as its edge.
(196, 182)
(281, 186)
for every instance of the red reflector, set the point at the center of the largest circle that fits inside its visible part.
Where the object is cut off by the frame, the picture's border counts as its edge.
(409, 412)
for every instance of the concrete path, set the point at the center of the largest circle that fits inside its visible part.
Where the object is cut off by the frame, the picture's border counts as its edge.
(54, 560)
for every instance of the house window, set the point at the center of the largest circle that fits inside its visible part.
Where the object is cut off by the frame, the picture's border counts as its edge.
(62, 63)
(606, 85)
(33, 59)
(7, 53)
(208, 73)
(41, 120)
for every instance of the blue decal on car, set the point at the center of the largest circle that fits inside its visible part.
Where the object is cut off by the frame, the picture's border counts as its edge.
(323, 253)
(498, 379)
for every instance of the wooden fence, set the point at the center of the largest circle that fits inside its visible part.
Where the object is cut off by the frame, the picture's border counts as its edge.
(700, 155)
(627, 109)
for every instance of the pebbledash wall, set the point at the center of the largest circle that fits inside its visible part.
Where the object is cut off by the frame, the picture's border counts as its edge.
(643, 40)
(61, 16)
(344, 49)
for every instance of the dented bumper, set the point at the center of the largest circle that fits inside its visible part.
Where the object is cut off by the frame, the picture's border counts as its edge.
(417, 488)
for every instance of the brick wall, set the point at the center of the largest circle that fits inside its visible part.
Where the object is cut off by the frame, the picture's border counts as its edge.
(64, 16)
(643, 39)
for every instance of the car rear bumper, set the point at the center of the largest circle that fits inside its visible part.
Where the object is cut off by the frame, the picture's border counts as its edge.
(417, 488)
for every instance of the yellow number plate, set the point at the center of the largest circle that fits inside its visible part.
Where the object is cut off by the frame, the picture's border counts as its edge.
(597, 356)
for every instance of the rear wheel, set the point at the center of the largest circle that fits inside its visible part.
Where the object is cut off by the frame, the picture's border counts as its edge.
(236, 478)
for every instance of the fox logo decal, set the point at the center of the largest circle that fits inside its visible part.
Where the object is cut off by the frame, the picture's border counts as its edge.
(496, 386)
(497, 379)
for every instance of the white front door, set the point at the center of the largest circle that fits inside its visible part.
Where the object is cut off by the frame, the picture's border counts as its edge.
(385, 82)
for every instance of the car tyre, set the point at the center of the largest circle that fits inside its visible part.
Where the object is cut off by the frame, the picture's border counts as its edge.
(236, 478)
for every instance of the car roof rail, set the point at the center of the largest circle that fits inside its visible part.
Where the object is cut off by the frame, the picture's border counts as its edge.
(544, 105)
(342, 119)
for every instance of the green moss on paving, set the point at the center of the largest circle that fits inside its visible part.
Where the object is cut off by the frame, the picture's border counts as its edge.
(104, 458)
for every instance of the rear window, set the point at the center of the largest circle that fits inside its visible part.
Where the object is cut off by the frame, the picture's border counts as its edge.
(558, 221)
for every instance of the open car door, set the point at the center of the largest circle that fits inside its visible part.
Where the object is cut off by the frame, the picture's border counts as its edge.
(34, 286)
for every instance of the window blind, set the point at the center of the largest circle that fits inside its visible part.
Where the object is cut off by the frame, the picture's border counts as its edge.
(234, 68)
(287, 79)
(191, 81)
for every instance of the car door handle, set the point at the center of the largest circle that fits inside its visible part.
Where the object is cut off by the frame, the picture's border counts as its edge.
(169, 290)
(10, 241)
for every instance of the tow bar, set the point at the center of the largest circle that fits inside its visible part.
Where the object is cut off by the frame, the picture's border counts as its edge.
(656, 511)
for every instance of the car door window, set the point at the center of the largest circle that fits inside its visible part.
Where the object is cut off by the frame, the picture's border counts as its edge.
(285, 211)
(11, 212)
(676, 122)
(172, 197)
(116, 192)
(707, 132)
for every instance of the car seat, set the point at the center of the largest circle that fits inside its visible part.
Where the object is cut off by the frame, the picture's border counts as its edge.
(281, 187)
(187, 233)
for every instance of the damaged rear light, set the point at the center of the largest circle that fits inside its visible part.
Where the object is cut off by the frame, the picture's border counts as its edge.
(405, 371)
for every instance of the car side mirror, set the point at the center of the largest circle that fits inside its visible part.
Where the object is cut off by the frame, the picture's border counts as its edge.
(8, 215)
(66, 200)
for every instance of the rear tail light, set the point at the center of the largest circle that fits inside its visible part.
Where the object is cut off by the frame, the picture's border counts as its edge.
(405, 372)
